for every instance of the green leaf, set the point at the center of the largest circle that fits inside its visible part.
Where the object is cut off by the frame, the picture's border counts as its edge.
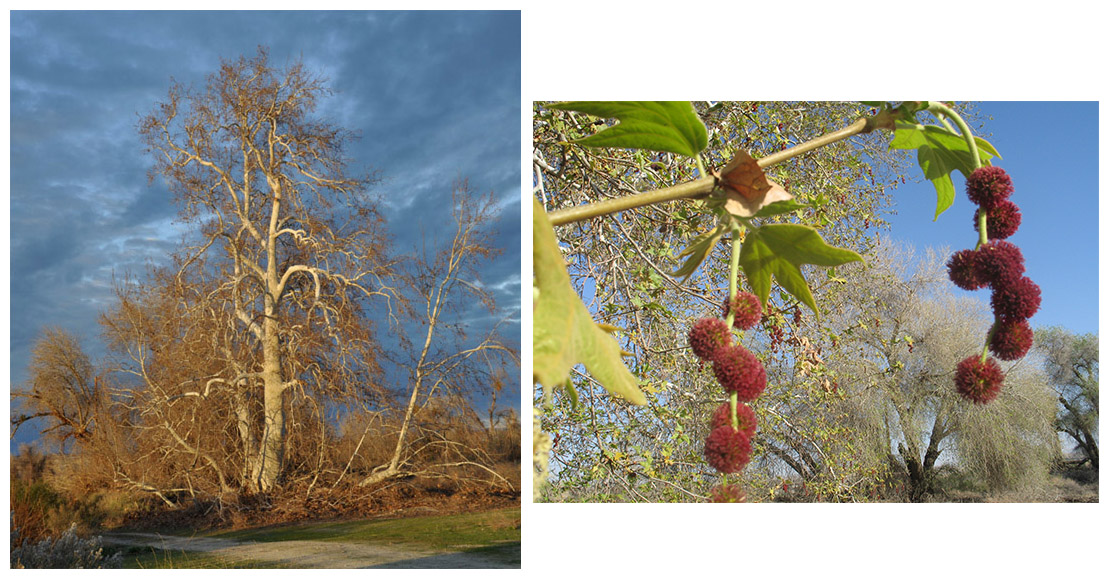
(780, 251)
(670, 126)
(801, 244)
(986, 147)
(779, 207)
(940, 152)
(564, 334)
(698, 251)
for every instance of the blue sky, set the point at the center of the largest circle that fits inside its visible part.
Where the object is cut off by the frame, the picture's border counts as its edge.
(1051, 152)
(435, 96)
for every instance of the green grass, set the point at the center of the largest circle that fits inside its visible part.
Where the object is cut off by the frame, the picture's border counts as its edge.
(494, 534)
(152, 558)
(478, 530)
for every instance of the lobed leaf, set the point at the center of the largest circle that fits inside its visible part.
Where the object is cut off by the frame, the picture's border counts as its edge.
(564, 334)
(670, 126)
(779, 208)
(779, 251)
(698, 251)
(940, 152)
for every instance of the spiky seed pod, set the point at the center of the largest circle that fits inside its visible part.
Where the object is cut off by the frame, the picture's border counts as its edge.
(747, 421)
(738, 370)
(979, 382)
(727, 450)
(1001, 262)
(707, 336)
(1017, 300)
(748, 310)
(987, 185)
(1003, 219)
(1011, 339)
(965, 270)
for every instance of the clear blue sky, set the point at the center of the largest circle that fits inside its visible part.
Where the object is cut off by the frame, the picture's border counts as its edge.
(1051, 152)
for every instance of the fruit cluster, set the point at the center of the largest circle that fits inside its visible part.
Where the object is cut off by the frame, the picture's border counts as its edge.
(996, 264)
(728, 447)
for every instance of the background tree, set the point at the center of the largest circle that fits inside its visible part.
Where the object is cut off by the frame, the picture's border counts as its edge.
(904, 332)
(290, 242)
(1072, 363)
(63, 388)
(449, 363)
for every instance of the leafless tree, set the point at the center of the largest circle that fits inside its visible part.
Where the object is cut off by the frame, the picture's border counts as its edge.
(289, 248)
(447, 359)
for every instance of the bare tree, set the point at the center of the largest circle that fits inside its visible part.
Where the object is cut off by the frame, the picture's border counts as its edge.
(447, 359)
(289, 246)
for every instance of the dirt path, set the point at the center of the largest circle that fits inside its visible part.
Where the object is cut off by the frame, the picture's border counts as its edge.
(311, 554)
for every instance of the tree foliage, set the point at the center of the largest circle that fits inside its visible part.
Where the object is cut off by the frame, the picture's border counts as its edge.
(1072, 363)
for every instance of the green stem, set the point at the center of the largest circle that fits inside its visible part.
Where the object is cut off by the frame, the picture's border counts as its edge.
(700, 166)
(704, 186)
(982, 216)
(696, 189)
(939, 108)
(983, 222)
(734, 402)
(988, 341)
(733, 278)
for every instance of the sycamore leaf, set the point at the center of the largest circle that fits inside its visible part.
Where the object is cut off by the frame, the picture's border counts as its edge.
(779, 251)
(670, 126)
(564, 334)
(940, 152)
(801, 244)
(779, 207)
(698, 251)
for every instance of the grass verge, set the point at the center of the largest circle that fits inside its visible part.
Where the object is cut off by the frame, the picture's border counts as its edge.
(469, 530)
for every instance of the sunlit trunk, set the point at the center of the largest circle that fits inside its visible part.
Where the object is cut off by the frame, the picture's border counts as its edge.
(272, 438)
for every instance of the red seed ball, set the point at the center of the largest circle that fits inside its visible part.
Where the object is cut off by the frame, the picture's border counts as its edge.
(1017, 300)
(1003, 219)
(979, 382)
(738, 370)
(748, 422)
(1011, 339)
(748, 310)
(707, 336)
(987, 185)
(727, 450)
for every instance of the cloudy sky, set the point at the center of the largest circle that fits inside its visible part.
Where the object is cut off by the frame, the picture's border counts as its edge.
(435, 96)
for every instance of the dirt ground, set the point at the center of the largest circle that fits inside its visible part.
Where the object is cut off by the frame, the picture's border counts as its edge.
(311, 554)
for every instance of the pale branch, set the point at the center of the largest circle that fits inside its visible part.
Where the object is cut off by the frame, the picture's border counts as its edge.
(704, 186)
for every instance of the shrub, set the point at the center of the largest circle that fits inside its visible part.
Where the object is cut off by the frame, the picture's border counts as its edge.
(69, 551)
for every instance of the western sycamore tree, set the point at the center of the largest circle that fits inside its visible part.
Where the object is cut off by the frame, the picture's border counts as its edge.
(290, 244)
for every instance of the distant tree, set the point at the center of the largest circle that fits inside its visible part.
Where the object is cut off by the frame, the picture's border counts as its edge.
(906, 331)
(288, 244)
(1073, 365)
(63, 389)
